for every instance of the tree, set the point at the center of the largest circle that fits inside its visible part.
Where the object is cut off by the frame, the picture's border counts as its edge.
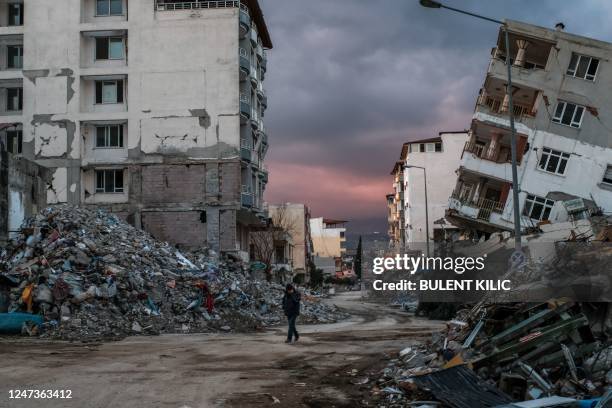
(358, 259)
(264, 241)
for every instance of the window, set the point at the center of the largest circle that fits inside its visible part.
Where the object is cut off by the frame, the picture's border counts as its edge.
(438, 147)
(15, 12)
(553, 161)
(568, 114)
(14, 99)
(109, 91)
(465, 192)
(430, 147)
(607, 178)
(109, 136)
(538, 208)
(109, 7)
(109, 48)
(583, 67)
(14, 141)
(109, 181)
(14, 56)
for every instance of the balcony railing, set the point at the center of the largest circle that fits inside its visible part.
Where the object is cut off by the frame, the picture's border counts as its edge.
(162, 5)
(485, 206)
(496, 105)
(482, 152)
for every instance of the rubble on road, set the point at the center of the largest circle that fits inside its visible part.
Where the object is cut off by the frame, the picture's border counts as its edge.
(553, 354)
(93, 276)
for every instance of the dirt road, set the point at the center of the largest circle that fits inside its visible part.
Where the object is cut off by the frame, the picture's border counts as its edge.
(229, 370)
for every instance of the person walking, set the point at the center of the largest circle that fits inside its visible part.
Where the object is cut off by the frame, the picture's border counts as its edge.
(291, 306)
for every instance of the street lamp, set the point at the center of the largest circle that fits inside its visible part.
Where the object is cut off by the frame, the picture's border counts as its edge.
(426, 204)
(515, 183)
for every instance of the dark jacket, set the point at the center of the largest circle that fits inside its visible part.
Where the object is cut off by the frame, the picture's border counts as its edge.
(291, 304)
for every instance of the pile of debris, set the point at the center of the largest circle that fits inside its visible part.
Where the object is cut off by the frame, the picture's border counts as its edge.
(551, 354)
(86, 274)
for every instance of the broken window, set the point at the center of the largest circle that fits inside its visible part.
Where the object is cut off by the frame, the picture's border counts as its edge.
(109, 8)
(538, 208)
(583, 67)
(109, 48)
(568, 114)
(109, 136)
(15, 12)
(553, 161)
(14, 141)
(14, 56)
(14, 99)
(109, 91)
(109, 181)
(607, 178)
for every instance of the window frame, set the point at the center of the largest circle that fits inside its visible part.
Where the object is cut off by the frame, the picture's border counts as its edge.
(20, 7)
(104, 173)
(119, 91)
(110, 14)
(8, 56)
(558, 119)
(547, 205)
(108, 137)
(14, 138)
(545, 158)
(573, 71)
(109, 40)
(19, 99)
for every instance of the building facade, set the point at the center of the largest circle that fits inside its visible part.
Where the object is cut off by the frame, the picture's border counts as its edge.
(298, 218)
(563, 114)
(437, 159)
(151, 109)
(329, 243)
(395, 206)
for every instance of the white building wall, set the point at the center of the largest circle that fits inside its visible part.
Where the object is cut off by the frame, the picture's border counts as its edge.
(441, 180)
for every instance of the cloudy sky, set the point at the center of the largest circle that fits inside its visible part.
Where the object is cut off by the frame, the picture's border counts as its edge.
(350, 80)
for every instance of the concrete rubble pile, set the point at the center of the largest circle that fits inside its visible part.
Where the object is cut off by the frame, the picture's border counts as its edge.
(554, 354)
(86, 274)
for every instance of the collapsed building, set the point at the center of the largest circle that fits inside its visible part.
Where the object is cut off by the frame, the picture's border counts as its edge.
(23, 185)
(153, 110)
(564, 155)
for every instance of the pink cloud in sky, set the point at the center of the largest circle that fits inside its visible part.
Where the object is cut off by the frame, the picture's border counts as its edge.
(329, 192)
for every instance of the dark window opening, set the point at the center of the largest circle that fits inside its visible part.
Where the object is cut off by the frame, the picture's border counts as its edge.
(109, 92)
(109, 181)
(14, 141)
(14, 99)
(15, 12)
(14, 56)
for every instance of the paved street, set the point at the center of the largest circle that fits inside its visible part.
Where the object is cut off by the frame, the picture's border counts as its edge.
(233, 370)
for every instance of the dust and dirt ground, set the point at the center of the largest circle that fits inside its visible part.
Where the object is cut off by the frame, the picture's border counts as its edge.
(221, 370)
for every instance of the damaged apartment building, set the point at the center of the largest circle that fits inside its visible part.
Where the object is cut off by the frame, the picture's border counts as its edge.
(563, 113)
(151, 109)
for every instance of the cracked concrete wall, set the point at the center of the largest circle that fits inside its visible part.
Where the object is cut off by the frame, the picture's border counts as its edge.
(23, 191)
(180, 114)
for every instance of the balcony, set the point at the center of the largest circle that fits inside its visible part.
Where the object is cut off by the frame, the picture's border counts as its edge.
(478, 199)
(245, 150)
(245, 21)
(170, 5)
(254, 80)
(259, 51)
(263, 174)
(253, 36)
(11, 17)
(245, 64)
(264, 62)
(246, 199)
(529, 57)
(245, 108)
